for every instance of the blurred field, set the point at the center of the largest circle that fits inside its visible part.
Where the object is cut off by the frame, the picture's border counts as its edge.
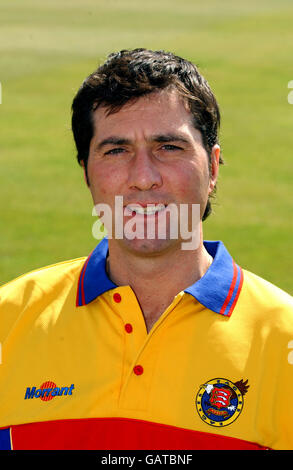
(47, 48)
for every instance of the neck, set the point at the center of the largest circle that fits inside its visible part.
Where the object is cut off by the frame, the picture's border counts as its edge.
(156, 280)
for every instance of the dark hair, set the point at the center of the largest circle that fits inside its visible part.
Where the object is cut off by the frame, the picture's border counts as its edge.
(130, 74)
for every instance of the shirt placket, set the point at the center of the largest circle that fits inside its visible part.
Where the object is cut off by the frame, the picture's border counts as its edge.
(141, 349)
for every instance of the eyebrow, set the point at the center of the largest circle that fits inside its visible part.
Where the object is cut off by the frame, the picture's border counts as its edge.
(162, 138)
(113, 141)
(170, 138)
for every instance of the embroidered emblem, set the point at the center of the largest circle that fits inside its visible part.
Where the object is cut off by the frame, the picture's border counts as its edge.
(219, 401)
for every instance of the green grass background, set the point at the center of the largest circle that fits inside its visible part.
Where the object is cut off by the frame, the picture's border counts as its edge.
(47, 48)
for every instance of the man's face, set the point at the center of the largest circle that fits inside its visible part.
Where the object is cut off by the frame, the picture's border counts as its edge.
(149, 153)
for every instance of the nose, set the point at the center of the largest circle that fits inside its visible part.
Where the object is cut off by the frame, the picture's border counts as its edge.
(144, 173)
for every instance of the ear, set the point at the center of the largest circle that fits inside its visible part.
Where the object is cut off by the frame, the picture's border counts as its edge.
(214, 167)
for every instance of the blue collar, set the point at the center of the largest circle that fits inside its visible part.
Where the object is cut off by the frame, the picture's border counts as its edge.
(218, 290)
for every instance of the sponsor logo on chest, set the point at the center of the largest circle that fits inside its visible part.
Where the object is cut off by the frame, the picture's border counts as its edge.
(47, 391)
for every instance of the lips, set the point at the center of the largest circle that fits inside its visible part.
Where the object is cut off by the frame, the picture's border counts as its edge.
(144, 209)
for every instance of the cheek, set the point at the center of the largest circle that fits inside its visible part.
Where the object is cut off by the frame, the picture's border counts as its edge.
(191, 183)
(105, 182)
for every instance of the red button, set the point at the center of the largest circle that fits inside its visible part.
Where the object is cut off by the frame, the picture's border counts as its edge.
(138, 370)
(117, 297)
(128, 328)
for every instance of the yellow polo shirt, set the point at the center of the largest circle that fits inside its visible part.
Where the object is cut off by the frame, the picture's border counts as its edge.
(79, 370)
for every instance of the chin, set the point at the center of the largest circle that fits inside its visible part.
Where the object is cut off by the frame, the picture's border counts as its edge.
(149, 247)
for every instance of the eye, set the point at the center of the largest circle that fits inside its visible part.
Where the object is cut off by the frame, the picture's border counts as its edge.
(115, 151)
(170, 147)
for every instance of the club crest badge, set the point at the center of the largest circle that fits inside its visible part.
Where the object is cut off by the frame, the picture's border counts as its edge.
(219, 401)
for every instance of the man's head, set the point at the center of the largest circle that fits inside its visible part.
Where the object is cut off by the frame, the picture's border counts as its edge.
(129, 75)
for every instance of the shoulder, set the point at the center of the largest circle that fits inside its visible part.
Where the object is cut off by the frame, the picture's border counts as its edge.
(42, 293)
(41, 282)
(264, 299)
(259, 287)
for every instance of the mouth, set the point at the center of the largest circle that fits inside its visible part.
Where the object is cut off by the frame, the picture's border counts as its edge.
(146, 209)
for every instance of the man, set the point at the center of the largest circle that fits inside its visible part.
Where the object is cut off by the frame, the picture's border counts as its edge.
(147, 344)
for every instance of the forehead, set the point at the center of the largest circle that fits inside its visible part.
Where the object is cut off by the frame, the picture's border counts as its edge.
(163, 111)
